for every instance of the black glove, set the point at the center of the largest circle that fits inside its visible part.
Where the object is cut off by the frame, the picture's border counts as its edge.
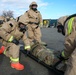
(23, 49)
(28, 52)
(15, 41)
(60, 57)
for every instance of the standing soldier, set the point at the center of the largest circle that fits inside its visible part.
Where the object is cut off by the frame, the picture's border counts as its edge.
(11, 32)
(32, 18)
(68, 28)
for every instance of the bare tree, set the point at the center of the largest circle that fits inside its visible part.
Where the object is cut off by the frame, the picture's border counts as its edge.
(7, 13)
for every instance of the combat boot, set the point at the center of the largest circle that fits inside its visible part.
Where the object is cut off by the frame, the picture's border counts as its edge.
(17, 66)
(2, 49)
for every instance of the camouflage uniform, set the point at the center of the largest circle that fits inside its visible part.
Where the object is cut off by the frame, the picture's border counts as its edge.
(44, 54)
(70, 44)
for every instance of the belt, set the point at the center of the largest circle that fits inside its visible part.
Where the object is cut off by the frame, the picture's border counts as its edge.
(33, 23)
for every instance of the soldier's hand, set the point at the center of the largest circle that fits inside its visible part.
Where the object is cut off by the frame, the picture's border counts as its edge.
(27, 48)
(60, 56)
(15, 41)
(22, 48)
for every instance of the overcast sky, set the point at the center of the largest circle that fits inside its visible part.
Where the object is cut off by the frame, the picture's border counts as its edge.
(48, 8)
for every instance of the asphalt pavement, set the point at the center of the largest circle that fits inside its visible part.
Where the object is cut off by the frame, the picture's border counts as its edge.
(54, 40)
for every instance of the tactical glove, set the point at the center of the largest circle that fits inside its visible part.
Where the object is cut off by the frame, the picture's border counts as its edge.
(13, 40)
(61, 57)
(23, 48)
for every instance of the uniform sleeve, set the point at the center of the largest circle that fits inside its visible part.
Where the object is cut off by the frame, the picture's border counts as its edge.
(70, 42)
(24, 18)
(5, 32)
(69, 45)
(25, 40)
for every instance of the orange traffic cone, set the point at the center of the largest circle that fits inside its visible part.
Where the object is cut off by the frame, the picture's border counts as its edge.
(2, 49)
(17, 66)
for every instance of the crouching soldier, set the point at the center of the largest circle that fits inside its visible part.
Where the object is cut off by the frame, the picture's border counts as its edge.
(68, 28)
(11, 32)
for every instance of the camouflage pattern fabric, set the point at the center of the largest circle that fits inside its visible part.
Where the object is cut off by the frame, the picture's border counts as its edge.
(44, 54)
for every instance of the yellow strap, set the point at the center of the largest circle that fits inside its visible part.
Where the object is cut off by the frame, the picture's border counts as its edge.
(15, 60)
(26, 47)
(70, 25)
(63, 54)
(11, 38)
(4, 52)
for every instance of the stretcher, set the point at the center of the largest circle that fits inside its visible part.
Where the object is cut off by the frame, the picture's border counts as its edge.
(52, 68)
